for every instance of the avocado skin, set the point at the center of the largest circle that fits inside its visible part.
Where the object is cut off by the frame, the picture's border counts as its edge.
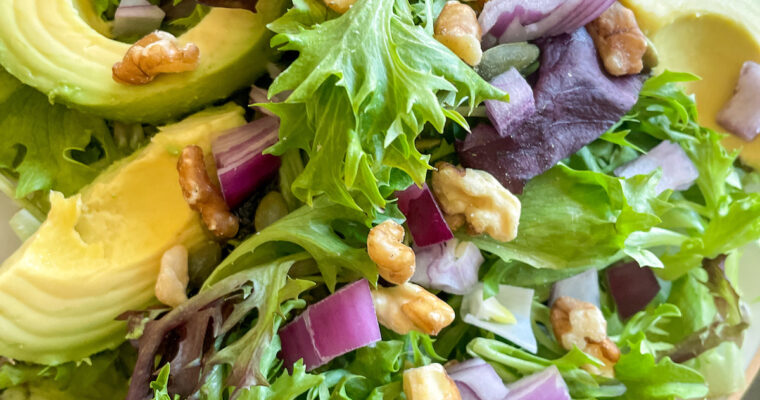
(47, 45)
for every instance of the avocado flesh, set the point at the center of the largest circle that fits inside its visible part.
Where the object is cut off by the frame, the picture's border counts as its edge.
(711, 39)
(48, 45)
(98, 253)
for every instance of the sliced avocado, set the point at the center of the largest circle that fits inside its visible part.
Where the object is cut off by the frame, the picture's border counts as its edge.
(48, 45)
(98, 253)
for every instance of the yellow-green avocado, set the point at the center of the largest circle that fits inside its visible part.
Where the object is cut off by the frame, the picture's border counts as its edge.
(98, 253)
(709, 38)
(49, 45)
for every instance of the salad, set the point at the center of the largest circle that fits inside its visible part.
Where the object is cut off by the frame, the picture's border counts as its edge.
(369, 199)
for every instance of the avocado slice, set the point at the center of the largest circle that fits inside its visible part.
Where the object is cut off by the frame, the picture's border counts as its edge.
(98, 253)
(49, 45)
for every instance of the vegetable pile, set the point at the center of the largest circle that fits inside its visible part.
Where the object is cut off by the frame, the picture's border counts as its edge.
(630, 218)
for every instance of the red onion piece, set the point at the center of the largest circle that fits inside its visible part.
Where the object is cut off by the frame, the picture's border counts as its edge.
(342, 322)
(521, 20)
(240, 164)
(518, 301)
(136, 18)
(545, 385)
(477, 380)
(450, 266)
(584, 287)
(506, 115)
(678, 172)
(740, 115)
(424, 218)
(632, 287)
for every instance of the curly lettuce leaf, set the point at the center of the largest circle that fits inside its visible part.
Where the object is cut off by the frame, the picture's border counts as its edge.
(363, 86)
(49, 146)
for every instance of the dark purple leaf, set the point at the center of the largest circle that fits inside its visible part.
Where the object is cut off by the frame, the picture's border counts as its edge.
(632, 287)
(576, 102)
(423, 216)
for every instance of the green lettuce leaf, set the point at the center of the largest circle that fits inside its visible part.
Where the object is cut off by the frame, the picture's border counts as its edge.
(579, 219)
(363, 86)
(160, 385)
(311, 229)
(646, 378)
(50, 146)
(285, 387)
(722, 368)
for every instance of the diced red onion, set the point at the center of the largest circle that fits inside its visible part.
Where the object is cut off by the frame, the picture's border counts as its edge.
(505, 115)
(584, 287)
(632, 287)
(342, 322)
(741, 115)
(136, 18)
(240, 164)
(545, 385)
(424, 218)
(450, 266)
(678, 172)
(477, 380)
(521, 20)
(518, 301)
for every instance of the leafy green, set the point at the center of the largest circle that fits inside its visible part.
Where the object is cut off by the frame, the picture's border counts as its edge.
(363, 86)
(159, 386)
(103, 377)
(191, 20)
(310, 229)
(50, 146)
(285, 387)
(512, 363)
(722, 369)
(645, 378)
(579, 219)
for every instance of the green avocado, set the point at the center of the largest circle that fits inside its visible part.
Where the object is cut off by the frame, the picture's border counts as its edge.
(98, 252)
(50, 46)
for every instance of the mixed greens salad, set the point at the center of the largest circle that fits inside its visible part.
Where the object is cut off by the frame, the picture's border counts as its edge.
(369, 199)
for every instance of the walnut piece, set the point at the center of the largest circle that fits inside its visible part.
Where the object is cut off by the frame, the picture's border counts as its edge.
(430, 382)
(395, 260)
(479, 198)
(579, 323)
(408, 307)
(458, 29)
(340, 6)
(619, 41)
(202, 196)
(171, 284)
(156, 53)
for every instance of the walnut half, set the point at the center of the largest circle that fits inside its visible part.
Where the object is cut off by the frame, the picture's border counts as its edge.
(619, 41)
(156, 53)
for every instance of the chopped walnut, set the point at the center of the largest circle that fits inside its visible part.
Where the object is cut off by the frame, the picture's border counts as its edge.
(340, 6)
(458, 29)
(579, 323)
(619, 41)
(479, 199)
(173, 277)
(395, 260)
(430, 382)
(157, 53)
(408, 307)
(203, 196)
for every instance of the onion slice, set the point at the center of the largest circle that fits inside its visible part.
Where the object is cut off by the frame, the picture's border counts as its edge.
(678, 172)
(632, 287)
(584, 287)
(241, 166)
(518, 301)
(136, 18)
(506, 115)
(450, 266)
(423, 216)
(477, 380)
(342, 322)
(741, 115)
(544, 385)
(521, 20)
